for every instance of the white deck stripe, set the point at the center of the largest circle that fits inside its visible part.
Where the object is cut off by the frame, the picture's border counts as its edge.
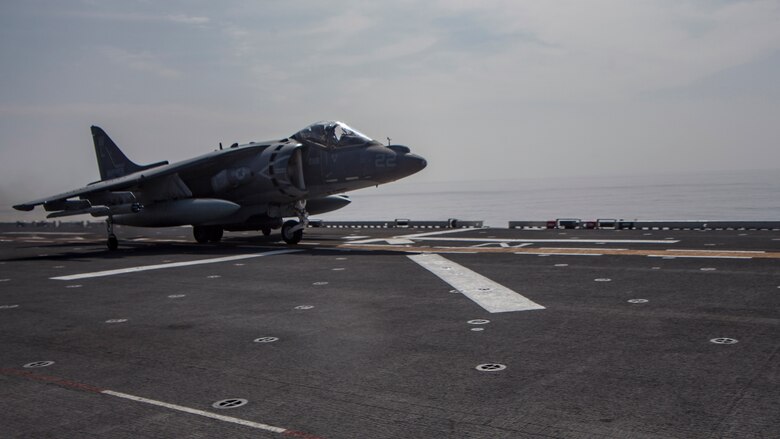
(678, 256)
(559, 254)
(568, 241)
(205, 414)
(441, 232)
(170, 265)
(488, 294)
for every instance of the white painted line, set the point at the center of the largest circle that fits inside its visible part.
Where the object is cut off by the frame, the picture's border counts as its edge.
(699, 257)
(441, 232)
(391, 241)
(568, 241)
(192, 411)
(44, 233)
(560, 254)
(171, 265)
(718, 251)
(582, 248)
(488, 294)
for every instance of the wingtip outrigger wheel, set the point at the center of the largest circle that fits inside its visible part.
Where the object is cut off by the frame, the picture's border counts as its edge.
(112, 242)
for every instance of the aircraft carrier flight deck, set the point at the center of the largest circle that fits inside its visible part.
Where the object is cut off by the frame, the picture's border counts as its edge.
(390, 333)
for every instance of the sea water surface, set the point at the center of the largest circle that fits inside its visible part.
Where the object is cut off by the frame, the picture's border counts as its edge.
(742, 195)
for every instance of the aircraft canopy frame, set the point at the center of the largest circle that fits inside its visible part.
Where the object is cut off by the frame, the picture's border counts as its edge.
(332, 134)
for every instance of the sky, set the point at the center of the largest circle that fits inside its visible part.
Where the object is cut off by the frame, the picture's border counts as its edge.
(485, 90)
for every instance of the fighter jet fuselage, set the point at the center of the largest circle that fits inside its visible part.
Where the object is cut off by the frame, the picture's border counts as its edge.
(253, 186)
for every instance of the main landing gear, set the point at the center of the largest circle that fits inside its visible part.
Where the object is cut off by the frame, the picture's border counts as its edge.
(292, 231)
(204, 234)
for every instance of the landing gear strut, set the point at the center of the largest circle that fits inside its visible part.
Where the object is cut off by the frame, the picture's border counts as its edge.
(112, 242)
(292, 231)
(204, 234)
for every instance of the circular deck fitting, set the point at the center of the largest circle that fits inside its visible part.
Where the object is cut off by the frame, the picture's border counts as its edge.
(239, 265)
(490, 367)
(116, 320)
(561, 265)
(36, 364)
(9, 306)
(603, 279)
(338, 269)
(73, 286)
(213, 276)
(638, 301)
(320, 283)
(341, 259)
(304, 307)
(230, 403)
(723, 340)
(477, 329)
(266, 339)
(177, 296)
(708, 269)
(478, 322)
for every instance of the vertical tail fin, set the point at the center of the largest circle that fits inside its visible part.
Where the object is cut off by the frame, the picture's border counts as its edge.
(112, 162)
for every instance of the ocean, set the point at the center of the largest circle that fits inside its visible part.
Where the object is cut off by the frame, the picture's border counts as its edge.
(741, 195)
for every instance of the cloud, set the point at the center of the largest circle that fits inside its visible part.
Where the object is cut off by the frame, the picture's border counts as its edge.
(187, 19)
(140, 61)
(140, 17)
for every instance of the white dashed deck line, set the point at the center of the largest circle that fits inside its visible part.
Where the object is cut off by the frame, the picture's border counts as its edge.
(490, 295)
(171, 265)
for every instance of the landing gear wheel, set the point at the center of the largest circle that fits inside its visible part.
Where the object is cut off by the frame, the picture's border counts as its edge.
(201, 234)
(204, 234)
(288, 235)
(112, 242)
(215, 234)
(266, 231)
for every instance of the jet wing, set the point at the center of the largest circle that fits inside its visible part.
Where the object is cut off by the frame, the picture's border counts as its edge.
(214, 160)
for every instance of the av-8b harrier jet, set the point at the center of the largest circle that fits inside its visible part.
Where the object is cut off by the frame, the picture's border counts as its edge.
(243, 187)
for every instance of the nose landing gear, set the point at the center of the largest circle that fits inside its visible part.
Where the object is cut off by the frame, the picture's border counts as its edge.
(292, 231)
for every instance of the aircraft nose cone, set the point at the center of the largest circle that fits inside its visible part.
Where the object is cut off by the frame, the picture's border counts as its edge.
(413, 163)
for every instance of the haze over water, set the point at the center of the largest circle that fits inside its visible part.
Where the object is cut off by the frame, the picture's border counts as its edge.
(742, 195)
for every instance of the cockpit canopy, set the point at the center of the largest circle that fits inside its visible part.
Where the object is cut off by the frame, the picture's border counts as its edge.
(332, 134)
